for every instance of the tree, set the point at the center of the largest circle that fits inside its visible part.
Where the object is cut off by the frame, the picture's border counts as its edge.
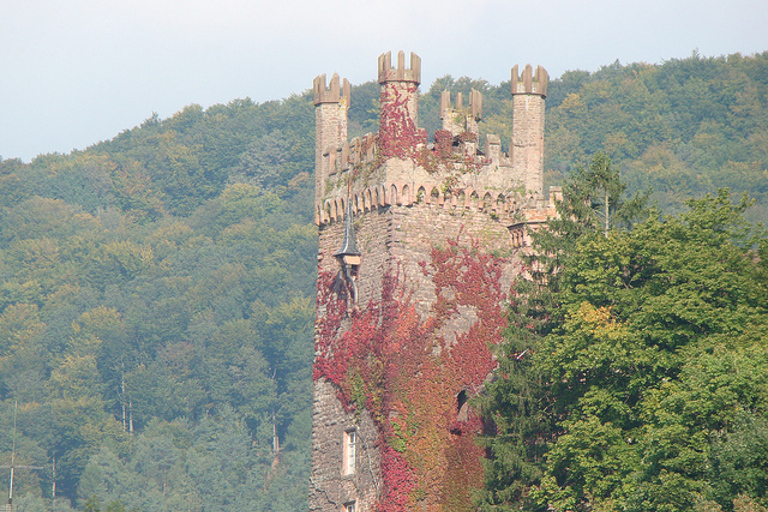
(651, 352)
(595, 196)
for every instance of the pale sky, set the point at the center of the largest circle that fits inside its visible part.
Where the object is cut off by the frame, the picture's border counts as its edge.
(75, 72)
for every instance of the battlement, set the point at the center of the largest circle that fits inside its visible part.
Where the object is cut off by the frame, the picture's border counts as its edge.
(475, 104)
(399, 74)
(514, 208)
(339, 158)
(457, 119)
(528, 82)
(400, 151)
(332, 93)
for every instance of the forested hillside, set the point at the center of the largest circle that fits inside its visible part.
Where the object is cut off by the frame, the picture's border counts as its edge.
(157, 302)
(157, 289)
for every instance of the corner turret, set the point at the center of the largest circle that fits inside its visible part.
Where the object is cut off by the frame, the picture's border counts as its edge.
(399, 104)
(331, 106)
(530, 83)
(458, 119)
(526, 149)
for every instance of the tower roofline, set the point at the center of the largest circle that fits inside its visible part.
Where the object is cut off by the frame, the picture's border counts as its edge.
(528, 82)
(399, 74)
(332, 93)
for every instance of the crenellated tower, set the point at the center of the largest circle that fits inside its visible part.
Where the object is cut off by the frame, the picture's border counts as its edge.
(458, 120)
(419, 243)
(331, 107)
(526, 148)
(399, 100)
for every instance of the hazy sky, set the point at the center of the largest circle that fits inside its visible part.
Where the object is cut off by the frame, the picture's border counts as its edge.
(74, 72)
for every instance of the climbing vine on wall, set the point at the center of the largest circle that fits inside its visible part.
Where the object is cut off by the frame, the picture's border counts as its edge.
(400, 137)
(398, 134)
(408, 369)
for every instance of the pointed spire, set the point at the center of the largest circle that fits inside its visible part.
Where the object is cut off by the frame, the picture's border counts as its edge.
(349, 252)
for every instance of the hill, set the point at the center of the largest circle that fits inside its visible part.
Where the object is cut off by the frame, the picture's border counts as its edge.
(157, 289)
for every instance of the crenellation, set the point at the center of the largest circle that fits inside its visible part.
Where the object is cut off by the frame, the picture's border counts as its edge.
(332, 93)
(445, 103)
(493, 150)
(407, 199)
(476, 104)
(529, 83)
(369, 143)
(355, 151)
(457, 119)
(401, 193)
(345, 156)
(400, 73)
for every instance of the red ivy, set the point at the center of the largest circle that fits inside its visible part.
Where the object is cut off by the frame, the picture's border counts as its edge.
(400, 137)
(398, 134)
(398, 365)
(399, 481)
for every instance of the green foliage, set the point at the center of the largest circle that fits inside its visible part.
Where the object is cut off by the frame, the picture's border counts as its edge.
(641, 380)
(165, 279)
(156, 308)
(682, 128)
(595, 197)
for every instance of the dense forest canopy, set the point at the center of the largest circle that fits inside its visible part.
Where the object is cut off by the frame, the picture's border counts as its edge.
(634, 374)
(157, 289)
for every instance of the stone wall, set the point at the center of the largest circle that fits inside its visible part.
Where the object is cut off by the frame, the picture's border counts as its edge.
(330, 489)
(412, 204)
(394, 240)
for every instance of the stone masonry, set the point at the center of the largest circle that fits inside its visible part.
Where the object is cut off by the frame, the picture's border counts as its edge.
(406, 197)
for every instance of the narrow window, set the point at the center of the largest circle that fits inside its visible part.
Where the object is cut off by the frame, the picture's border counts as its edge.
(350, 442)
(461, 399)
(462, 408)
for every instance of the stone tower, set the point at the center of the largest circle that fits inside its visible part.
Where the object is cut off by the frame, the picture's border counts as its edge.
(418, 246)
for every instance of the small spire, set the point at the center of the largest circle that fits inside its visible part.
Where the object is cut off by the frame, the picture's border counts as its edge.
(349, 250)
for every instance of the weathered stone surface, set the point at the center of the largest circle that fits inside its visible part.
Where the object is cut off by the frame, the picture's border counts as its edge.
(329, 488)
(403, 208)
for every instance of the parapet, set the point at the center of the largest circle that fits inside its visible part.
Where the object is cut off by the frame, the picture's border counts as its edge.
(528, 83)
(475, 104)
(332, 93)
(400, 151)
(400, 73)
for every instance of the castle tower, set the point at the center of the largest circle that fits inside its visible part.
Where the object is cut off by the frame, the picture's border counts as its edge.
(418, 248)
(331, 108)
(457, 119)
(398, 104)
(527, 145)
(399, 89)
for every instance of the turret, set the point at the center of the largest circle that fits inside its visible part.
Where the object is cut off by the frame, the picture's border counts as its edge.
(399, 101)
(331, 104)
(456, 118)
(526, 149)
